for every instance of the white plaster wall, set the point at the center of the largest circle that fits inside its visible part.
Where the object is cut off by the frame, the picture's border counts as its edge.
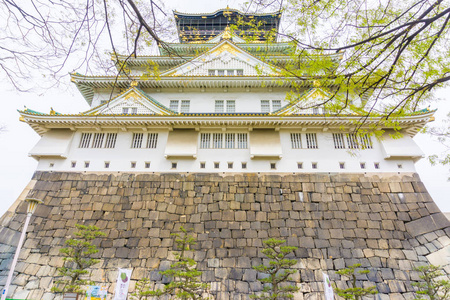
(205, 102)
(325, 156)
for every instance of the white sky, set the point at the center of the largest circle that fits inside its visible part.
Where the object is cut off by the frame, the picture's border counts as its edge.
(16, 168)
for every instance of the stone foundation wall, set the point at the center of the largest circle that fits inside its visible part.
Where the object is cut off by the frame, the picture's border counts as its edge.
(386, 222)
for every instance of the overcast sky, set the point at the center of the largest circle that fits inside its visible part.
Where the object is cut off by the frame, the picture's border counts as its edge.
(16, 168)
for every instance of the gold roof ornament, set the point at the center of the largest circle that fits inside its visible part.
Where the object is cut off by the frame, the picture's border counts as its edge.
(52, 112)
(227, 35)
(227, 12)
(134, 83)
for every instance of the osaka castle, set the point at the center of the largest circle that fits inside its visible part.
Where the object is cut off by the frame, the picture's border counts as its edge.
(209, 135)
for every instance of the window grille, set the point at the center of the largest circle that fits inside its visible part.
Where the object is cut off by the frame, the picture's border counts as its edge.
(296, 141)
(219, 108)
(134, 110)
(338, 139)
(221, 141)
(98, 140)
(125, 110)
(231, 106)
(242, 141)
(352, 141)
(276, 105)
(137, 140)
(366, 142)
(311, 141)
(152, 140)
(205, 140)
(85, 140)
(211, 72)
(230, 72)
(147, 164)
(111, 140)
(221, 72)
(265, 106)
(174, 105)
(244, 165)
(229, 140)
(239, 72)
(87, 164)
(315, 111)
(185, 104)
(217, 140)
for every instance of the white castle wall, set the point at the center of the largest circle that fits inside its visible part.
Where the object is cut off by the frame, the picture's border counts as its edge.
(328, 158)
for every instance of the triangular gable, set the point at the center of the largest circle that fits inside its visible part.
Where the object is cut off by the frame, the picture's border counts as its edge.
(224, 56)
(131, 102)
(306, 99)
(218, 38)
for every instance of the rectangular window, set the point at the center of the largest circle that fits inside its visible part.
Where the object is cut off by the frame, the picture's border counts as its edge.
(230, 165)
(239, 72)
(362, 165)
(185, 104)
(366, 142)
(341, 165)
(216, 165)
(244, 165)
(125, 110)
(174, 105)
(205, 141)
(311, 141)
(231, 106)
(87, 164)
(133, 164)
(221, 72)
(219, 108)
(147, 164)
(300, 165)
(229, 140)
(296, 141)
(106, 164)
(242, 140)
(217, 140)
(111, 140)
(98, 140)
(211, 72)
(137, 140)
(265, 106)
(230, 72)
(223, 141)
(134, 110)
(73, 164)
(202, 165)
(152, 140)
(314, 165)
(273, 166)
(352, 141)
(315, 111)
(338, 139)
(276, 105)
(376, 165)
(174, 165)
(85, 140)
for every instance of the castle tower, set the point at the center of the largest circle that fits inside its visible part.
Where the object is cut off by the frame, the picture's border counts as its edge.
(209, 140)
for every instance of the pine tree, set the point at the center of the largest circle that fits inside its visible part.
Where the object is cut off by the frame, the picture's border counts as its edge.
(433, 285)
(78, 259)
(185, 278)
(279, 270)
(354, 292)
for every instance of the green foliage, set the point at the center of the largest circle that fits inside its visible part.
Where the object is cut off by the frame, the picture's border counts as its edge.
(279, 270)
(354, 292)
(185, 278)
(434, 285)
(77, 260)
(143, 290)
